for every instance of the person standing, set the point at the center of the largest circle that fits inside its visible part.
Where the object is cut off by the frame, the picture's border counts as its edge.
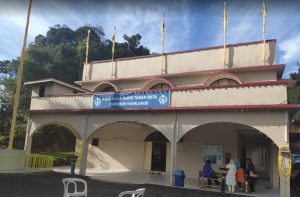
(249, 171)
(230, 177)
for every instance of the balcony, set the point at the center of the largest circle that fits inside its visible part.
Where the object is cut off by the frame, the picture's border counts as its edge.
(193, 96)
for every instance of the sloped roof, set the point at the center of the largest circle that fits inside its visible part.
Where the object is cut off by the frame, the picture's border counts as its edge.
(52, 80)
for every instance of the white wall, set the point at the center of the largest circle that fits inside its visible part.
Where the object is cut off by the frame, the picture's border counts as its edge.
(238, 56)
(148, 156)
(117, 155)
(121, 147)
(190, 152)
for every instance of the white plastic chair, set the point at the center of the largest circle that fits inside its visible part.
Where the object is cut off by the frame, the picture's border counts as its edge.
(135, 193)
(67, 181)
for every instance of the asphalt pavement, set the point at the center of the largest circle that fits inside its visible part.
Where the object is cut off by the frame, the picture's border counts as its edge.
(50, 185)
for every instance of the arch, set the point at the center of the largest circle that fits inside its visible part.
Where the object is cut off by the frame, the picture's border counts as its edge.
(152, 82)
(219, 76)
(150, 128)
(60, 123)
(106, 85)
(268, 132)
(156, 136)
(122, 146)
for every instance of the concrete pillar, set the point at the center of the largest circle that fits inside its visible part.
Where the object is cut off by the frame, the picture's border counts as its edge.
(28, 138)
(85, 143)
(173, 161)
(285, 186)
(83, 161)
(274, 165)
(174, 148)
(285, 181)
(27, 146)
(78, 151)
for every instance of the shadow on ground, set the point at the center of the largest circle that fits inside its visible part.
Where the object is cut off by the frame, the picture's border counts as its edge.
(50, 185)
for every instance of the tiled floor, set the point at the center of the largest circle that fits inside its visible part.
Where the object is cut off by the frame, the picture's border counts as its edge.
(262, 188)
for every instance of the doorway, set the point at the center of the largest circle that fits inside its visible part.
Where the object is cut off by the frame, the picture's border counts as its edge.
(158, 161)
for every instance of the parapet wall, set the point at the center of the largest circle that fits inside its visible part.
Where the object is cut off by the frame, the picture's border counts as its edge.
(238, 55)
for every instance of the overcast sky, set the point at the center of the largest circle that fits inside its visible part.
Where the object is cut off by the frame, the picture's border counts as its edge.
(189, 24)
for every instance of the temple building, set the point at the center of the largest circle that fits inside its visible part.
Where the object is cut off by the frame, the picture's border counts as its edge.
(159, 113)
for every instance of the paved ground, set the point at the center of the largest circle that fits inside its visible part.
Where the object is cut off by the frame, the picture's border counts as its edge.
(50, 185)
(295, 189)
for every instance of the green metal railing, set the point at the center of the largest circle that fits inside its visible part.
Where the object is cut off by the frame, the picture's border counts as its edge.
(25, 163)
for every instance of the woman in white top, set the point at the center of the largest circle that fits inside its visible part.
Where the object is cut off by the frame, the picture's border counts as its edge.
(230, 177)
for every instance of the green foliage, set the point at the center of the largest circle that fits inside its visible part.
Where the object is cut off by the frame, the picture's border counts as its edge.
(294, 92)
(60, 54)
(60, 158)
(296, 75)
(53, 138)
(3, 66)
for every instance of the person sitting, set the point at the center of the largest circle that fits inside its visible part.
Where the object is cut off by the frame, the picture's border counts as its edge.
(230, 176)
(240, 174)
(209, 173)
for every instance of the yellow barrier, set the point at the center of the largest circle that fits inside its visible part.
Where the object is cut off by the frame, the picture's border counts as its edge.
(25, 163)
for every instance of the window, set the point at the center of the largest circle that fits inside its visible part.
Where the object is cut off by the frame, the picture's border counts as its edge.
(214, 153)
(224, 81)
(95, 142)
(105, 87)
(160, 86)
(42, 91)
(109, 89)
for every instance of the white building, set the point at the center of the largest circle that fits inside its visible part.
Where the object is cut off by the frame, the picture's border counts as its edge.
(153, 114)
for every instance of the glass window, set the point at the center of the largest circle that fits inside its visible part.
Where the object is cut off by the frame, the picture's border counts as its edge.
(95, 142)
(213, 153)
(224, 81)
(42, 91)
(109, 89)
(160, 86)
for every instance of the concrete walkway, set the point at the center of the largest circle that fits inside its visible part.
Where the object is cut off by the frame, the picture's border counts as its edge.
(263, 188)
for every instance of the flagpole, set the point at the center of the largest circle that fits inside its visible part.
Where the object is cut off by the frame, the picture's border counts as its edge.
(87, 46)
(163, 44)
(19, 82)
(264, 13)
(113, 53)
(224, 23)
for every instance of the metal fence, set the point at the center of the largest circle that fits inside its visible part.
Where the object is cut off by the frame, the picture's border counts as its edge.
(25, 163)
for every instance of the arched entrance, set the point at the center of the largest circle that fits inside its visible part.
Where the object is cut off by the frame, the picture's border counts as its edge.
(160, 146)
(57, 139)
(220, 141)
(127, 146)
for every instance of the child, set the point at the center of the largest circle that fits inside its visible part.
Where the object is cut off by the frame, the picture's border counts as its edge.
(240, 174)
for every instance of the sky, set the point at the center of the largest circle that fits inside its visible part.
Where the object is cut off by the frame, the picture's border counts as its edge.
(188, 23)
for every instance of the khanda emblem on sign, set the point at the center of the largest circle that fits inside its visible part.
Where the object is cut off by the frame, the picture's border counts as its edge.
(97, 101)
(162, 99)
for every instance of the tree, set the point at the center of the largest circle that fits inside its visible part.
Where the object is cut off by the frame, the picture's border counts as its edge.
(131, 47)
(3, 66)
(59, 54)
(294, 92)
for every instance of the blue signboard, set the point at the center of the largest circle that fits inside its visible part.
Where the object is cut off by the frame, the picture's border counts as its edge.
(158, 99)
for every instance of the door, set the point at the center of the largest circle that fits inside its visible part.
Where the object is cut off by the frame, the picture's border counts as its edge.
(158, 161)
